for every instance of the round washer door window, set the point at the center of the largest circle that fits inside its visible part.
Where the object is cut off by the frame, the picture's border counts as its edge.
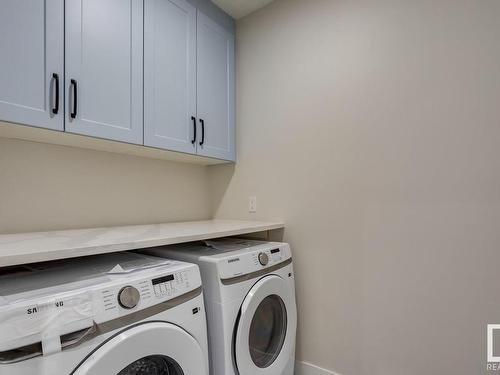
(267, 331)
(153, 365)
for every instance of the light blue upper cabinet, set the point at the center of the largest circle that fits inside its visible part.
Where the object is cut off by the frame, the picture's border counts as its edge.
(215, 90)
(158, 73)
(104, 69)
(31, 62)
(170, 75)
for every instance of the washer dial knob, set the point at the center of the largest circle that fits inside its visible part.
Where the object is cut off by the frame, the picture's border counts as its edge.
(128, 297)
(263, 259)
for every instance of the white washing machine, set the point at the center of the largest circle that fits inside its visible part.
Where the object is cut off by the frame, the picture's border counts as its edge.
(250, 300)
(121, 313)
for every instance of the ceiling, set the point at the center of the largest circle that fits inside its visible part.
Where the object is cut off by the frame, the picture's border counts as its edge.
(240, 8)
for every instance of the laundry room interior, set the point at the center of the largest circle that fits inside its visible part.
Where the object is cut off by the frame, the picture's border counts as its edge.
(249, 187)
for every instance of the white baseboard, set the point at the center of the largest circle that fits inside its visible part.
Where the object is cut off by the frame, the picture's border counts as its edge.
(305, 368)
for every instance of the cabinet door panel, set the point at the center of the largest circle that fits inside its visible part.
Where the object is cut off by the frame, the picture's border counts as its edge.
(169, 74)
(31, 41)
(104, 52)
(215, 88)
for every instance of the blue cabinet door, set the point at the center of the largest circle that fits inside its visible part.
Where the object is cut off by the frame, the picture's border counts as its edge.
(31, 62)
(170, 75)
(104, 69)
(215, 90)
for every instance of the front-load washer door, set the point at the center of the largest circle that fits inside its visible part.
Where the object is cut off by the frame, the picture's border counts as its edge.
(265, 332)
(156, 348)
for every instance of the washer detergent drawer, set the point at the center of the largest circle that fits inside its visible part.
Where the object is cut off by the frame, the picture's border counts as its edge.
(45, 327)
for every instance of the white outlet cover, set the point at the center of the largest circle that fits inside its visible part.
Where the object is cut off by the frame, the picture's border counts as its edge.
(252, 204)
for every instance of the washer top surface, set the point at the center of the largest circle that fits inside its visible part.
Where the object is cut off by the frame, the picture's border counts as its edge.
(46, 278)
(62, 297)
(232, 257)
(220, 248)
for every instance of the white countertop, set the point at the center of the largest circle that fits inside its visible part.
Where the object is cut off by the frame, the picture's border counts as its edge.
(42, 246)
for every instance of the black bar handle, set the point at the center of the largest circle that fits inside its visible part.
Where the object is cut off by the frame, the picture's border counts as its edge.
(75, 98)
(55, 110)
(202, 132)
(194, 129)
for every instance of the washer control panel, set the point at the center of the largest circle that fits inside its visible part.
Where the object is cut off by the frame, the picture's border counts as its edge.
(271, 256)
(169, 285)
(136, 293)
(253, 258)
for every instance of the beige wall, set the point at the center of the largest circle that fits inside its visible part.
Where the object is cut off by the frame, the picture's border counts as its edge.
(48, 187)
(372, 128)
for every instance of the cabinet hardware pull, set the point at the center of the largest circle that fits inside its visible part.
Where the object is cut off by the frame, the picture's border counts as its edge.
(55, 110)
(75, 98)
(202, 132)
(194, 129)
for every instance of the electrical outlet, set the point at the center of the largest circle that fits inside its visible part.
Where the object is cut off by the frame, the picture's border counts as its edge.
(252, 204)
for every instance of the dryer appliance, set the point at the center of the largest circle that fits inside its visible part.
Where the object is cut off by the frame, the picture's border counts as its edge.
(250, 299)
(122, 313)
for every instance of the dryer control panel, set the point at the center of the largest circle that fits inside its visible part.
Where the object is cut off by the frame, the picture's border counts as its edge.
(254, 258)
